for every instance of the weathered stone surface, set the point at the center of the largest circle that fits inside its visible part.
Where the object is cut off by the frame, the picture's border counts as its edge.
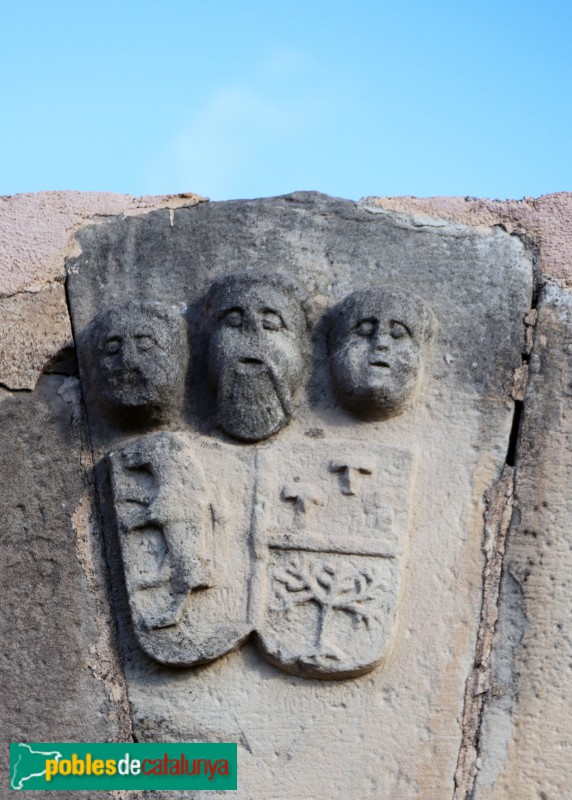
(330, 554)
(526, 736)
(377, 522)
(376, 339)
(184, 544)
(34, 328)
(59, 673)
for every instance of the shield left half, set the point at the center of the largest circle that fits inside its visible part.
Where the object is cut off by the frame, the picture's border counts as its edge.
(184, 548)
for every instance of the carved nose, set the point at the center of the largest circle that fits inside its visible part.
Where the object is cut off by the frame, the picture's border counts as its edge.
(251, 324)
(381, 341)
(129, 356)
(346, 484)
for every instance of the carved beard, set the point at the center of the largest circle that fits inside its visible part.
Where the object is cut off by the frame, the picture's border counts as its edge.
(252, 401)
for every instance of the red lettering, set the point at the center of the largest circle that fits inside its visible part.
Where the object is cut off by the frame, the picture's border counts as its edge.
(155, 769)
(174, 767)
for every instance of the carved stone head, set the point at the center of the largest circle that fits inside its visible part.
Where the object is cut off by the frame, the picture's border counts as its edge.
(136, 355)
(376, 338)
(258, 329)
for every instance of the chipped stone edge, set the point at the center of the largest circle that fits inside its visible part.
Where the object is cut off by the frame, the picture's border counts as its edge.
(417, 220)
(544, 222)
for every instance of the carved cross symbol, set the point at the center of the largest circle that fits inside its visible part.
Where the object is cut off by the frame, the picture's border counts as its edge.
(348, 473)
(301, 497)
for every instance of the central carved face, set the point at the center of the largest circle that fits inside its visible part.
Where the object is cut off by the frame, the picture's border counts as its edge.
(376, 341)
(255, 355)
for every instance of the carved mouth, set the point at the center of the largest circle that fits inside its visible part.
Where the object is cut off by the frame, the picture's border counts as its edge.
(378, 362)
(130, 377)
(250, 365)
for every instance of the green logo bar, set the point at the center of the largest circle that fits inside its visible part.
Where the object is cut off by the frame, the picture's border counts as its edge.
(115, 766)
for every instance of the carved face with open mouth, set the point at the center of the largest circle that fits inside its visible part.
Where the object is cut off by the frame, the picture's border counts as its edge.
(255, 356)
(376, 340)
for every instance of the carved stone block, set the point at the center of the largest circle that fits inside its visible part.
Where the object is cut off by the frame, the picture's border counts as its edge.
(365, 581)
(295, 482)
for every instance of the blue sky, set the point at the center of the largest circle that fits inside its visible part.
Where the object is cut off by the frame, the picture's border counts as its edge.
(248, 99)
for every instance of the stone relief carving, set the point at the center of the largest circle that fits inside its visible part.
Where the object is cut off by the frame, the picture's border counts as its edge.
(376, 338)
(184, 554)
(347, 544)
(136, 355)
(330, 561)
(301, 543)
(258, 328)
(166, 525)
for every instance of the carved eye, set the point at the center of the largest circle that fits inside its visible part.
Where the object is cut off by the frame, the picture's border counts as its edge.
(111, 347)
(271, 321)
(233, 318)
(398, 330)
(366, 327)
(144, 343)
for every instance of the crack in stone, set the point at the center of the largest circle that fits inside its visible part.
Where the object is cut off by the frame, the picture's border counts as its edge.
(498, 514)
(499, 506)
(12, 390)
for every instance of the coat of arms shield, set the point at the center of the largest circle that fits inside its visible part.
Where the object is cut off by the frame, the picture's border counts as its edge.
(330, 531)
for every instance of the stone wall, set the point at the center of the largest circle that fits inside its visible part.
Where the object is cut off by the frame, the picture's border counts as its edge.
(466, 695)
